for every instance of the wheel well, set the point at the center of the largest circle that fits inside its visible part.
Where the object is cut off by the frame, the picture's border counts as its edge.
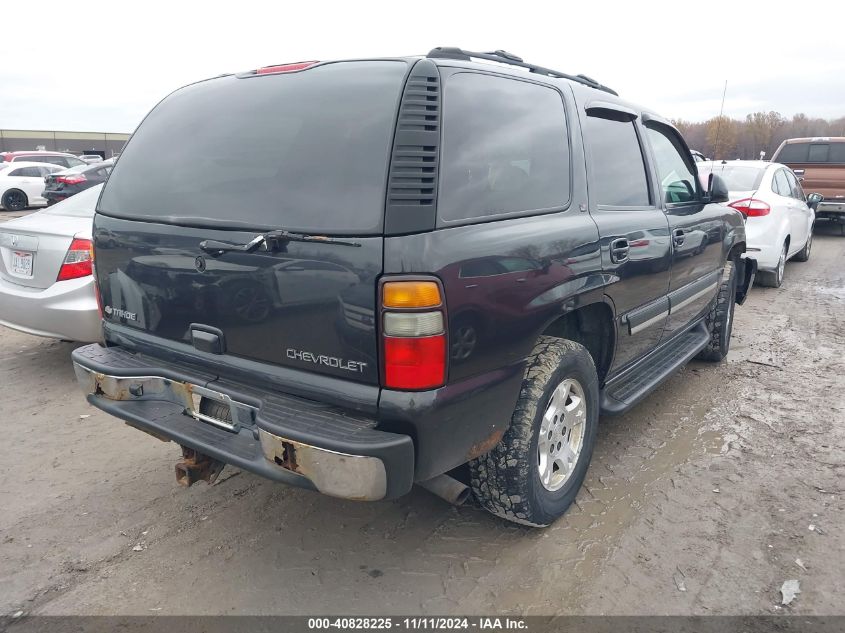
(20, 191)
(592, 327)
(737, 250)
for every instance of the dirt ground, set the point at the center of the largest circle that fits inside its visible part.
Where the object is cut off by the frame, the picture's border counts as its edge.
(726, 482)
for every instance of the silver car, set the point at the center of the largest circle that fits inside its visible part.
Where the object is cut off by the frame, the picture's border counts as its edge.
(46, 258)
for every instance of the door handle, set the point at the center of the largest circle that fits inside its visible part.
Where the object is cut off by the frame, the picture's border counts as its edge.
(619, 249)
(678, 237)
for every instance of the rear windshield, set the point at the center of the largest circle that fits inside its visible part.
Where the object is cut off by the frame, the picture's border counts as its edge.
(304, 151)
(737, 177)
(811, 152)
(81, 205)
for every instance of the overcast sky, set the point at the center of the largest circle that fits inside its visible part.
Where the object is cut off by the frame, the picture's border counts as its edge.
(101, 65)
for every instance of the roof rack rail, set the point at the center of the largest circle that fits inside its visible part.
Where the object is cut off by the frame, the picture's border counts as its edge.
(503, 57)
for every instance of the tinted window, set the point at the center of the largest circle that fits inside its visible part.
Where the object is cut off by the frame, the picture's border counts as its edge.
(677, 180)
(792, 153)
(53, 160)
(736, 177)
(21, 171)
(505, 148)
(837, 153)
(781, 184)
(616, 159)
(819, 153)
(305, 151)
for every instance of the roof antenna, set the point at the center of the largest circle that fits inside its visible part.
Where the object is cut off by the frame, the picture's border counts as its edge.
(719, 123)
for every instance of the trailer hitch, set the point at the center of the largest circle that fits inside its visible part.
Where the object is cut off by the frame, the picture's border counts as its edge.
(195, 466)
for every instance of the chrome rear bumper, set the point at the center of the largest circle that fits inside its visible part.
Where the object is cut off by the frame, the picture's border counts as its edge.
(336, 454)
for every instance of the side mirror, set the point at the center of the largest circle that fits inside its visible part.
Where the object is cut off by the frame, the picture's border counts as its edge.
(718, 189)
(813, 200)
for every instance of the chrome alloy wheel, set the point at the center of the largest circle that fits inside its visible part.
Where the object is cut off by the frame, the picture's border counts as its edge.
(561, 434)
(781, 265)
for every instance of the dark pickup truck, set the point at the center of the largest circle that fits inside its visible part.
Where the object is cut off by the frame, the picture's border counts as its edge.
(355, 276)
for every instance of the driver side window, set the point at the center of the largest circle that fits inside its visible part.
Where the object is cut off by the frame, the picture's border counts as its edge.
(677, 180)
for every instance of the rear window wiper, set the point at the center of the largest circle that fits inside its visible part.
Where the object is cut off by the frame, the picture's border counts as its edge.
(270, 241)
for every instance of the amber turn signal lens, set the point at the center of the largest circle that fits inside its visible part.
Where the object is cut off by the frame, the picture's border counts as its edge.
(411, 294)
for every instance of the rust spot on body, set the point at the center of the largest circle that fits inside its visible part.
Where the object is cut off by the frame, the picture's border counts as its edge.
(485, 446)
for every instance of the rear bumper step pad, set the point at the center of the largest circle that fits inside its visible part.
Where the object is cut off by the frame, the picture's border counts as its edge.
(292, 440)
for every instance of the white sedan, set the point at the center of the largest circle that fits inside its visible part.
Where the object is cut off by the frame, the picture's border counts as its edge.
(778, 222)
(22, 183)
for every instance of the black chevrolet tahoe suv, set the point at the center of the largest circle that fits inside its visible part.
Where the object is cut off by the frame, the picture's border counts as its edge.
(355, 276)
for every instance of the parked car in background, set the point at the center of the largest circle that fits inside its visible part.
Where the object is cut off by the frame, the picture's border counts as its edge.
(54, 158)
(380, 227)
(22, 185)
(91, 158)
(68, 182)
(819, 164)
(778, 220)
(46, 285)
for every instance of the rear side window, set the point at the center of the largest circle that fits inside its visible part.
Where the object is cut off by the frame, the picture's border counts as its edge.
(781, 184)
(616, 162)
(304, 151)
(794, 186)
(28, 172)
(505, 148)
(53, 160)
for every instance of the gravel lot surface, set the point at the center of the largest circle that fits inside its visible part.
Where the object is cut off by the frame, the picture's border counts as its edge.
(727, 481)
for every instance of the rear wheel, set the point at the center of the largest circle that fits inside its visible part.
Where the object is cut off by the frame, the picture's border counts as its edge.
(14, 200)
(804, 254)
(721, 317)
(774, 279)
(535, 472)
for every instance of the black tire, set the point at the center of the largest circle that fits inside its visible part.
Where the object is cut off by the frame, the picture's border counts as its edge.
(721, 317)
(14, 200)
(774, 278)
(506, 481)
(804, 254)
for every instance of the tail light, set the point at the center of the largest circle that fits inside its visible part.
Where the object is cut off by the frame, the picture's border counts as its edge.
(78, 261)
(72, 180)
(638, 243)
(284, 68)
(750, 208)
(413, 335)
